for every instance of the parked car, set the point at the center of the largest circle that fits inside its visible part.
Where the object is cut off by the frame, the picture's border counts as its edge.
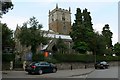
(40, 68)
(101, 65)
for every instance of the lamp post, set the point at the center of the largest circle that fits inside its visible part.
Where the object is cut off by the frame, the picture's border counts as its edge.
(95, 56)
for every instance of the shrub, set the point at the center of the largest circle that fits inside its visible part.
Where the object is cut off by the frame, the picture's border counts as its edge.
(38, 57)
(18, 64)
(83, 58)
(8, 57)
(74, 57)
(51, 60)
(107, 58)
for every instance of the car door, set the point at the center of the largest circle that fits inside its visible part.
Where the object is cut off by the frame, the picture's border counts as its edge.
(45, 66)
(48, 67)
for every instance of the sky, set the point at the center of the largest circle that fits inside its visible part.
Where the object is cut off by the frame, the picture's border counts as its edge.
(102, 12)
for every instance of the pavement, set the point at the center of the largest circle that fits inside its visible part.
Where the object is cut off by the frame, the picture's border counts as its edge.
(59, 74)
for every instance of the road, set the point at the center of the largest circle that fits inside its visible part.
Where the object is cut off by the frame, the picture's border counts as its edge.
(112, 72)
(58, 74)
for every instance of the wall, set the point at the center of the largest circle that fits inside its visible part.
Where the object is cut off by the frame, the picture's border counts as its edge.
(78, 65)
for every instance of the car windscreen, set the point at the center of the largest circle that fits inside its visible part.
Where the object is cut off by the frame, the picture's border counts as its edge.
(103, 63)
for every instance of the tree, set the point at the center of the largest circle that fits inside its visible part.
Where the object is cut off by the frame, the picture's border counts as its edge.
(99, 46)
(76, 25)
(89, 32)
(5, 6)
(33, 35)
(77, 33)
(81, 47)
(7, 38)
(61, 46)
(107, 34)
(82, 31)
(116, 49)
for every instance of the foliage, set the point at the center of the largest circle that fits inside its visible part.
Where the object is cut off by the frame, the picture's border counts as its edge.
(116, 49)
(7, 37)
(74, 57)
(38, 57)
(107, 36)
(107, 58)
(98, 44)
(61, 46)
(51, 60)
(82, 31)
(32, 36)
(81, 47)
(83, 58)
(8, 57)
(18, 64)
(6, 6)
(84, 37)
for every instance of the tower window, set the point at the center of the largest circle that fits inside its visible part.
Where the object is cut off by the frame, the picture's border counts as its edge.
(64, 29)
(52, 19)
(63, 18)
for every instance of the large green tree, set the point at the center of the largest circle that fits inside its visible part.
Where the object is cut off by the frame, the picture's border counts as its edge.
(31, 34)
(116, 48)
(89, 32)
(107, 34)
(5, 6)
(7, 38)
(82, 31)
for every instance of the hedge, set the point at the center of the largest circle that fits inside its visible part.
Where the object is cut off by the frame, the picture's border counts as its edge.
(38, 57)
(74, 58)
(8, 57)
(83, 58)
(108, 58)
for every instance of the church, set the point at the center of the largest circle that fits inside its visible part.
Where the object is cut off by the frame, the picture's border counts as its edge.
(59, 22)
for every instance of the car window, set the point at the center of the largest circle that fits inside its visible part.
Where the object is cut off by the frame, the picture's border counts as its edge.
(103, 63)
(44, 63)
(37, 64)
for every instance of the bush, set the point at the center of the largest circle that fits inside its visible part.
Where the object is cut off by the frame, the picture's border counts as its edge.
(74, 57)
(8, 57)
(51, 60)
(83, 58)
(38, 57)
(18, 64)
(107, 58)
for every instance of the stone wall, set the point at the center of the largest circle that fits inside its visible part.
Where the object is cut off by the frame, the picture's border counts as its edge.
(113, 63)
(75, 65)
(78, 65)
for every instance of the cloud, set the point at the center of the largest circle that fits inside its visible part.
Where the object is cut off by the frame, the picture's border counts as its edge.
(13, 21)
(98, 27)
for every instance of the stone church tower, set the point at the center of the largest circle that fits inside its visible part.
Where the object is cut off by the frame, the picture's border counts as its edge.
(60, 20)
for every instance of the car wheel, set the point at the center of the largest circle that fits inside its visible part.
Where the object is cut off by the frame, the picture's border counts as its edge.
(29, 73)
(95, 67)
(104, 67)
(54, 70)
(40, 72)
